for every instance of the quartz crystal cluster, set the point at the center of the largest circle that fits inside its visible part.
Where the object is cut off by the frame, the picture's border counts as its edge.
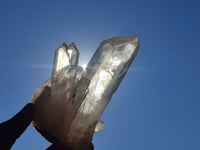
(69, 104)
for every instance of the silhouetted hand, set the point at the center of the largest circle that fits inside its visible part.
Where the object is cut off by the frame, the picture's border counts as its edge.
(12, 129)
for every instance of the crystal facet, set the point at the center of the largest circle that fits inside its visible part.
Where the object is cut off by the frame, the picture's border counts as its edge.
(61, 58)
(78, 97)
(73, 53)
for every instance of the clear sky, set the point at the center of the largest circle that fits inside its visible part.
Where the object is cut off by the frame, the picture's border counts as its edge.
(156, 107)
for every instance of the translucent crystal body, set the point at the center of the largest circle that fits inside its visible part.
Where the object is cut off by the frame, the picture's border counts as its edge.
(61, 58)
(79, 97)
(105, 71)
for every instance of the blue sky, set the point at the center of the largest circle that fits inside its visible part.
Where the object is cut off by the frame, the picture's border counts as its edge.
(156, 106)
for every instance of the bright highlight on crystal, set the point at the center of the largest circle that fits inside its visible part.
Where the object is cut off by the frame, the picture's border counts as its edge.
(84, 66)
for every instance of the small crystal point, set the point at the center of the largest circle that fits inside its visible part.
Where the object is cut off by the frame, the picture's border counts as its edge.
(73, 53)
(64, 45)
(61, 59)
(72, 45)
(99, 126)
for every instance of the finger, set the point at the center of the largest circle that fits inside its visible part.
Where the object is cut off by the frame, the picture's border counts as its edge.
(61, 147)
(10, 130)
(57, 147)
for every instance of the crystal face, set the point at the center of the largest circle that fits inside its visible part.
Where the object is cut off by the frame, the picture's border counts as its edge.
(71, 111)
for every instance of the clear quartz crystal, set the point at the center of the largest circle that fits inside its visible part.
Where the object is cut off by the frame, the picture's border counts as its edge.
(79, 97)
(61, 58)
(105, 71)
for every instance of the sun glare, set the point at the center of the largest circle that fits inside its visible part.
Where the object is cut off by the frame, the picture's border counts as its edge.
(84, 66)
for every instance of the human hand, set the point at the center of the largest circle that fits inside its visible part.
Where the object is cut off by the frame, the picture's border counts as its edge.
(11, 129)
(39, 106)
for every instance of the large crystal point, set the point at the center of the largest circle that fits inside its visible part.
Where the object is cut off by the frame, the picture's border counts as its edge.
(105, 71)
(78, 97)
